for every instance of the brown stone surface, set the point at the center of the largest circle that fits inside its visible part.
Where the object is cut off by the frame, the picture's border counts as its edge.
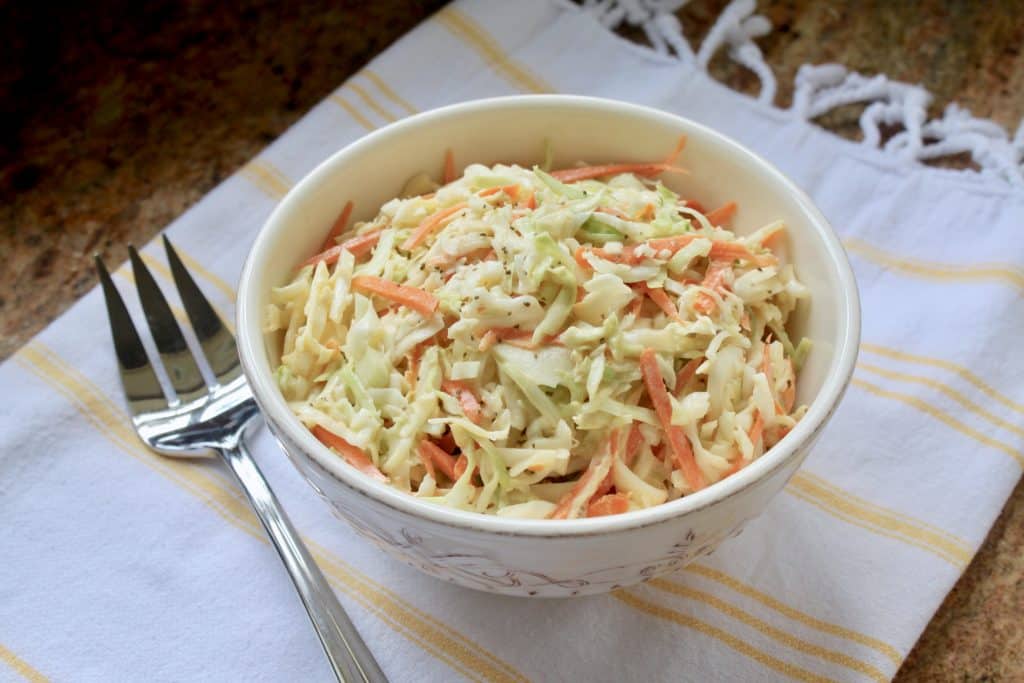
(119, 115)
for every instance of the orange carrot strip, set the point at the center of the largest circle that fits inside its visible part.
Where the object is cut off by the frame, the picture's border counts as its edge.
(564, 504)
(467, 399)
(736, 251)
(427, 462)
(611, 504)
(420, 301)
(449, 166)
(714, 277)
(511, 190)
(677, 439)
(358, 245)
(636, 306)
(338, 228)
(660, 298)
(719, 250)
(580, 260)
(531, 201)
(647, 213)
(738, 465)
(648, 170)
(633, 443)
(460, 466)
(722, 213)
(430, 224)
(686, 372)
(352, 455)
(757, 428)
(517, 337)
(771, 238)
(671, 158)
(445, 462)
(489, 339)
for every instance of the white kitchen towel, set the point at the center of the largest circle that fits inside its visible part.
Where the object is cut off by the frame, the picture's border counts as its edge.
(117, 564)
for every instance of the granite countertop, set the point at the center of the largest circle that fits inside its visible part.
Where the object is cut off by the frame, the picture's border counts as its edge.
(120, 116)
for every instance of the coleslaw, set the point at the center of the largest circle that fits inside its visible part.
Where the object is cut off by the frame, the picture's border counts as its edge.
(542, 344)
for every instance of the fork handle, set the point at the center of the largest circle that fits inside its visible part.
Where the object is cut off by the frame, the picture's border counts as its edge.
(349, 657)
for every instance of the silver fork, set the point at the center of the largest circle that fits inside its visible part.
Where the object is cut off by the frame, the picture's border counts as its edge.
(198, 419)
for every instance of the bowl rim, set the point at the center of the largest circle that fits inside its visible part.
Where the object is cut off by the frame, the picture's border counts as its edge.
(276, 412)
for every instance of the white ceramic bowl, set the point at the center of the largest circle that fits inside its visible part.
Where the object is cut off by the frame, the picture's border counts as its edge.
(549, 557)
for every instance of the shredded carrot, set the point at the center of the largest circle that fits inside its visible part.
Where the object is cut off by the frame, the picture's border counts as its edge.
(420, 301)
(722, 214)
(338, 228)
(756, 428)
(444, 461)
(636, 306)
(489, 339)
(427, 462)
(412, 369)
(695, 205)
(737, 465)
(677, 440)
(352, 455)
(648, 170)
(671, 158)
(358, 245)
(530, 202)
(611, 504)
(449, 166)
(686, 373)
(511, 190)
(660, 298)
(771, 238)
(633, 443)
(608, 481)
(647, 213)
(720, 249)
(580, 260)
(737, 251)
(714, 278)
(564, 504)
(460, 466)
(467, 399)
(430, 224)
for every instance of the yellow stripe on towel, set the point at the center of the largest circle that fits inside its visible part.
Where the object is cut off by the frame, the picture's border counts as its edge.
(486, 45)
(20, 666)
(932, 270)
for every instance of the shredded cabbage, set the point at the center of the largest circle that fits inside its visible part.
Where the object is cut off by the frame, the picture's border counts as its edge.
(487, 350)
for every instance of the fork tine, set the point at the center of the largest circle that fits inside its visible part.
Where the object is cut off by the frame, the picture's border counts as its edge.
(141, 386)
(217, 342)
(179, 363)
